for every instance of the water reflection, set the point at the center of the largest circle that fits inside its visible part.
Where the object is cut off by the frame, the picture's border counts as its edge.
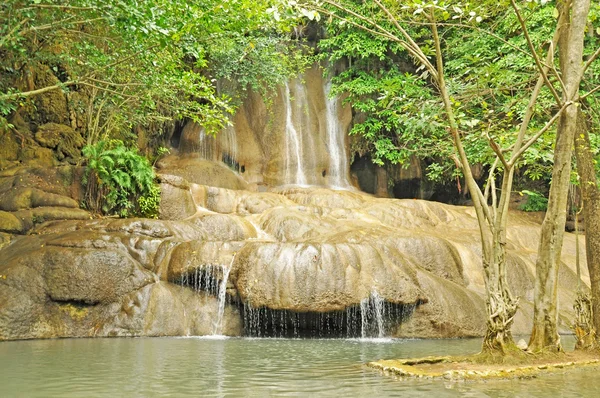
(247, 367)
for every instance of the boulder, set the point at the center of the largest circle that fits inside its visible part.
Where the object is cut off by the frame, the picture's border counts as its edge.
(65, 141)
(10, 223)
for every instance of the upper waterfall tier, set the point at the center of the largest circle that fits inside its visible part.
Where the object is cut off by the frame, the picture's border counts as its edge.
(297, 136)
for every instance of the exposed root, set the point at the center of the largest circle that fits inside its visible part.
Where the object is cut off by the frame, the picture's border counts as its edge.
(583, 325)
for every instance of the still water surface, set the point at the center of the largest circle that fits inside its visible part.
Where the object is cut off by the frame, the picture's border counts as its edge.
(242, 367)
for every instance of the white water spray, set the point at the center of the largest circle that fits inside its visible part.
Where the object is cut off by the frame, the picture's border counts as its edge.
(293, 145)
(372, 316)
(338, 160)
(218, 325)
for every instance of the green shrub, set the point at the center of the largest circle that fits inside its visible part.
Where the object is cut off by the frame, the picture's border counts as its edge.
(119, 181)
(535, 201)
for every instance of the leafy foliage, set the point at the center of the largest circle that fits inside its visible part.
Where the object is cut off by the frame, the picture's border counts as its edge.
(489, 74)
(120, 181)
(535, 201)
(128, 63)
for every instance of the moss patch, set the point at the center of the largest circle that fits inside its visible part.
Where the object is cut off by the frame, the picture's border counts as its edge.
(76, 312)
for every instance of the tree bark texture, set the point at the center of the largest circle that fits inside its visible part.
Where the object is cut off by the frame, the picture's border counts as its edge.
(544, 335)
(591, 211)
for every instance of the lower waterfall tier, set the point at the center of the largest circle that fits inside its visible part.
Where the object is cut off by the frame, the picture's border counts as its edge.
(292, 262)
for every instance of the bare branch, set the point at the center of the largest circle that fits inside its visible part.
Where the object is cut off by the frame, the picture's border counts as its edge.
(591, 60)
(61, 7)
(114, 84)
(589, 93)
(534, 53)
(84, 83)
(7, 37)
(498, 151)
(486, 192)
(65, 22)
(38, 91)
(537, 135)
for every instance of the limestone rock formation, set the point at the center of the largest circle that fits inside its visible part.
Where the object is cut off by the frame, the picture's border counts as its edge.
(99, 278)
(292, 252)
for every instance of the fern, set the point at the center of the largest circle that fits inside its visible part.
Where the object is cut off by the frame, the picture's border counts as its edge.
(119, 181)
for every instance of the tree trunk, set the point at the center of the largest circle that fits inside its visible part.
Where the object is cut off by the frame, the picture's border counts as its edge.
(591, 211)
(544, 335)
(500, 305)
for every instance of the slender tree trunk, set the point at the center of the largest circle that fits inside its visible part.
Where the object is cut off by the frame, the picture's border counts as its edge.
(500, 305)
(591, 211)
(545, 315)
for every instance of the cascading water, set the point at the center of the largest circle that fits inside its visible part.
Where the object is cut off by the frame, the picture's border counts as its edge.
(222, 147)
(294, 171)
(372, 313)
(218, 325)
(370, 319)
(211, 279)
(338, 160)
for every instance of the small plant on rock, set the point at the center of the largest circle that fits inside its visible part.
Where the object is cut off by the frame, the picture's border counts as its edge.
(119, 181)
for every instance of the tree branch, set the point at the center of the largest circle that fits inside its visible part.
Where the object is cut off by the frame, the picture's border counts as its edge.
(591, 60)
(413, 45)
(61, 7)
(498, 151)
(6, 38)
(589, 93)
(534, 53)
(58, 23)
(537, 135)
(38, 91)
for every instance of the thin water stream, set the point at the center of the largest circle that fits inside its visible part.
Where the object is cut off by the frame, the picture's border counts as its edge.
(242, 367)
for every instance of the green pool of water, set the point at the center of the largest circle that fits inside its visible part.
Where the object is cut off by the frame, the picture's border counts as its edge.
(242, 367)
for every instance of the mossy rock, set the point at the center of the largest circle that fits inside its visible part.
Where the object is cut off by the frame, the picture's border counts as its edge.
(10, 147)
(51, 106)
(30, 218)
(35, 156)
(10, 223)
(5, 239)
(63, 139)
(26, 198)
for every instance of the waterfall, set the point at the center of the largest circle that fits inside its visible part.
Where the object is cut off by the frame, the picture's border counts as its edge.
(293, 143)
(228, 148)
(222, 147)
(338, 161)
(218, 325)
(372, 313)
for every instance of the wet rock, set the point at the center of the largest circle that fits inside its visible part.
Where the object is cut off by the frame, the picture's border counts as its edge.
(296, 251)
(175, 203)
(162, 309)
(224, 227)
(32, 217)
(91, 276)
(202, 172)
(189, 258)
(319, 277)
(95, 278)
